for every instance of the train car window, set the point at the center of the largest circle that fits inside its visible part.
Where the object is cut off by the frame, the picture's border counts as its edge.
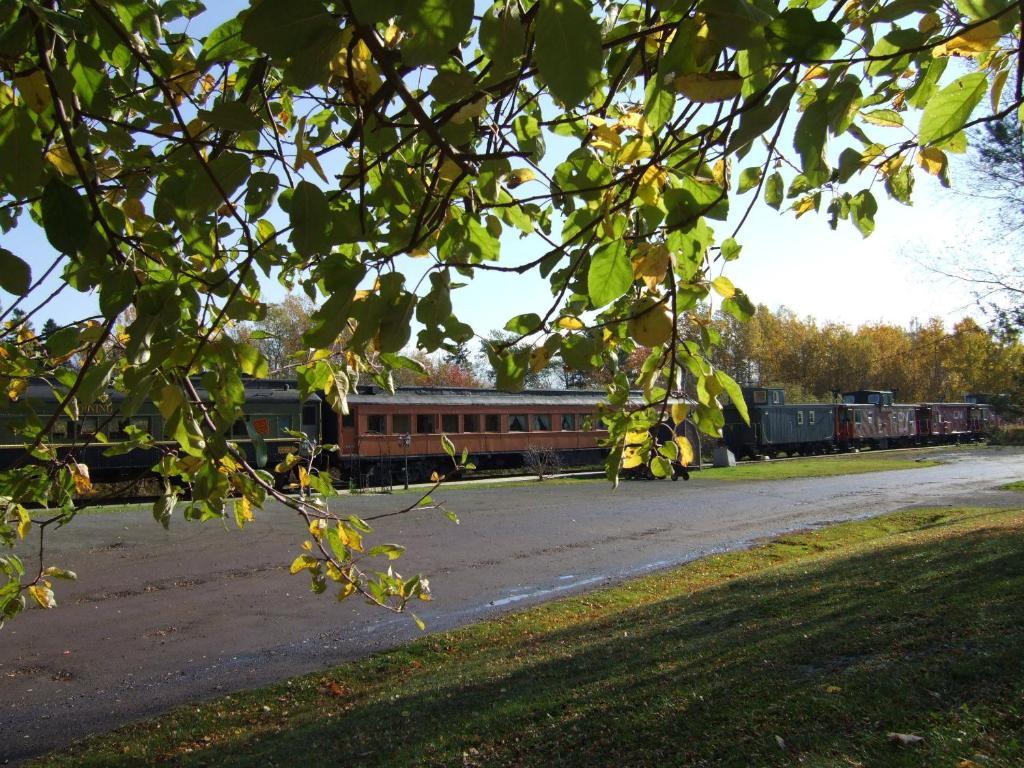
(401, 424)
(568, 422)
(516, 422)
(309, 414)
(874, 399)
(377, 423)
(775, 397)
(60, 428)
(810, 417)
(760, 397)
(426, 423)
(87, 426)
(471, 422)
(283, 423)
(857, 417)
(492, 423)
(584, 422)
(449, 422)
(540, 422)
(238, 429)
(799, 417)
(347, 420)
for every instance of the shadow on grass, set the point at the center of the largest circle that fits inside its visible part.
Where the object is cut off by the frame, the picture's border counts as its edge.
(815, 662)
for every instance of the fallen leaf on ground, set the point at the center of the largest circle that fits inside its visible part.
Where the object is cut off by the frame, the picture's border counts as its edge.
(906, 739)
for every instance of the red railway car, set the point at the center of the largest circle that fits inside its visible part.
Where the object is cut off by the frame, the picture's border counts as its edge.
(384, 433)
(869, 418)
(953, 422)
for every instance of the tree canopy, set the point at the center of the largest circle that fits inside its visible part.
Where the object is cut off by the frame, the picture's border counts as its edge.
(375, 155)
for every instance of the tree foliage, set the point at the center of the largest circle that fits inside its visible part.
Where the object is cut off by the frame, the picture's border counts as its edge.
(320, 143)
(922, 363)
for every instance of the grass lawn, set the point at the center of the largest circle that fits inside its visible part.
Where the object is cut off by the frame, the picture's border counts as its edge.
(1017, 486)
(824, 466)
(809, 649)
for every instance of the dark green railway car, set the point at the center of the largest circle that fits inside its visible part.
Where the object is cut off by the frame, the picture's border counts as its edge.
(271, 410)
(776, 427)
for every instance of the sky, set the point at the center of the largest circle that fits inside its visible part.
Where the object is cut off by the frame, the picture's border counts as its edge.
(800, 264)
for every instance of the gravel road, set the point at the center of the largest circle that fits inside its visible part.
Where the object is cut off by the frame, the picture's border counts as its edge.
(158, 619)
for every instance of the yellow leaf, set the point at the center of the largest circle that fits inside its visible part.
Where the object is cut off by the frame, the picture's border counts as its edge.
(303, 478)
(346, 589)
(685, 451)
(570, 323)
(651, 262)
(651, 184)
(303, 563)
(243, 511)
(43, 595)
(932, 160)
(816, 72)
(930, 22)
(354, 65)
(709, 87)
(719, 172)
(976, 40)
(679, 412)
(350, 537)
(16, 388)
(60, 159)
(449, 170)
(723, 287)
(635, 121)
(519, 176)
(133, 208)
(24, 523)
(469, 111)
(306, 156)
(539, 358)
(34, 90)
(635, 149)
(604, 138)
(80, 473)
(803, 205)
(833, 689)
(636, 437)
(631, 457)
(317, 528)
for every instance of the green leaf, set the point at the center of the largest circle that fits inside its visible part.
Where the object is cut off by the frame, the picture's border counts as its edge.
(610, 274)
(225, 44)
(392, 551)
(568, 49)
(502, 38)
(259, 445)
(448, 446)
(797, 34)
(862, 211)
(21, 153)
(436, 27)
(948, 110)
(311, 224)
(15, 274)
(774, 190)
(749, 178)
(732, 389)
(65, 216)
(286, 27)
(693, 199)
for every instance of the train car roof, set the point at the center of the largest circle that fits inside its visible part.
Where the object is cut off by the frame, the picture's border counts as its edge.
(41, 392)
(460, 396)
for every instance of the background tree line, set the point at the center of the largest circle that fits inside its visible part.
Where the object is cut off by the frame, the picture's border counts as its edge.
(777, 347)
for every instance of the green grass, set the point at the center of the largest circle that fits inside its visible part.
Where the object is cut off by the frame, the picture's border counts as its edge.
(1017, 486)
(826, 466)
(826, 640)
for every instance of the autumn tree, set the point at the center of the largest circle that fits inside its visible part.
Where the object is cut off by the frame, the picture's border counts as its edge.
(175, 169)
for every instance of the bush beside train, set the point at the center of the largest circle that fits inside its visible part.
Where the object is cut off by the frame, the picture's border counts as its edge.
(384, 439)
(864, 419)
